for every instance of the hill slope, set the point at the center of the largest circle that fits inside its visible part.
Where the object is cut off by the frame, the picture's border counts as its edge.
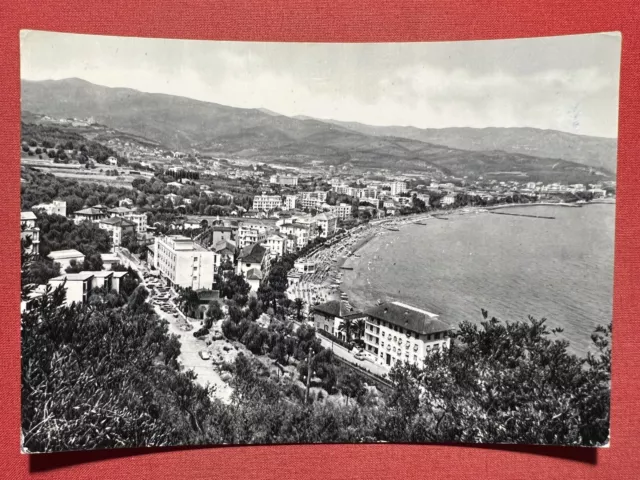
(596, 152)
(182, 123)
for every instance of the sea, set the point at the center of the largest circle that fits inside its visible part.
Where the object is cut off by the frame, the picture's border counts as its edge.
(513, 266)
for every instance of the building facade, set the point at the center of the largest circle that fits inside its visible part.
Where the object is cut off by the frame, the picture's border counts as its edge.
(327, 224)
(118, 227)
(398, 187)
(28, 229)
(57, 207)
(396, 332)
(267, 202)
(184, 263)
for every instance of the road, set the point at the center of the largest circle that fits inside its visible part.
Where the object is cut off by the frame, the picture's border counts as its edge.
(190, 346)
(345, 354)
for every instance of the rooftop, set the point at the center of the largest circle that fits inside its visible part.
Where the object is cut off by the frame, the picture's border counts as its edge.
(71, 277)
(254, 274)
(60, 254)
(90, 211)
(338, 308)
(120, 210)
(254, 253)
(409, 317)
(28, 216)
(117, 221)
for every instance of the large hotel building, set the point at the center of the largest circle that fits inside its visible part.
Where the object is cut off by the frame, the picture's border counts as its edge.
(396, 331)
(183, 262)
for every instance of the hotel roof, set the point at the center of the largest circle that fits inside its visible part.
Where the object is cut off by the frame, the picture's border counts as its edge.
(409, 317)
(28, 216)
(338, 308)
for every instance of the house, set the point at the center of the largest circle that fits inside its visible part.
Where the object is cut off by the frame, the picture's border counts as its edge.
(344, 211)
(79, 286)
(276, 245)
(57, 207)
(397, 331)
(313, 199)
(289, 202)
(329, 316)
(29, 230)
(112, 161)
(253, 278)
(266, 202)
(298, 230)
(183, 262)
(92, 214)
(253, 257)
(398, 187)
(284, 180)
(64, 257)
(125, 202)
(109, 260)
(250, 233)
(448, 199)
(118, 227)
(221, 232)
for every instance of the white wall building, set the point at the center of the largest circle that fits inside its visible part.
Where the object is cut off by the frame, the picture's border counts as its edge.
(289, 202)
(399, 332)
(266, 202)
(29, 229)
(183, 262)
(64, 257)
(398, 187)
(57, 207)
(327, 224)
(344, 211)
(249, 233)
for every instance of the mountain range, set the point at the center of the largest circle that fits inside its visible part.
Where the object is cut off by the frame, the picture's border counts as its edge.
(182, 123)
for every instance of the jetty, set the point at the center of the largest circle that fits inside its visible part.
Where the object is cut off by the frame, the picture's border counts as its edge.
(522, 215)
(346, 268)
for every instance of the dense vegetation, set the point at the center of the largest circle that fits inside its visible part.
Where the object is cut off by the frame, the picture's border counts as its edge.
(64, 144)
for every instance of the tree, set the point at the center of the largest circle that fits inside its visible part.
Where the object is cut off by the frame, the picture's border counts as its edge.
(188, 301)
(214, 313)
(346, 326)
(350, 384)
(504, 383)
(298, 305)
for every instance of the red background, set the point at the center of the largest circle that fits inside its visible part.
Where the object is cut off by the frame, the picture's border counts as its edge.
(335, 21)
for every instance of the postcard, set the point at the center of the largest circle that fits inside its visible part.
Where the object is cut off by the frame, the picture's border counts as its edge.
(266, 243)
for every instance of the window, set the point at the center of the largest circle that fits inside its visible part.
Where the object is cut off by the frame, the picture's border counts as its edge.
(437, 336)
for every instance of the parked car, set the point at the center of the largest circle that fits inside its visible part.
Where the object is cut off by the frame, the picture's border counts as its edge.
(217, 335)
(204, 355)
(359, 355)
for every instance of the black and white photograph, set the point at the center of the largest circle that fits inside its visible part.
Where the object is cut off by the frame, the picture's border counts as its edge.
(254, 243)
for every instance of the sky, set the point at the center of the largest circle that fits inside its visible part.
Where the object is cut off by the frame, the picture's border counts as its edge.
(568, 83)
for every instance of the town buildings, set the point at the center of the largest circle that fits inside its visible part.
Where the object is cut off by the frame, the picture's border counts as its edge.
(396, 332)
(28, 229)
(290, 202)
(139, 220)
(276, 244)
(184, 263)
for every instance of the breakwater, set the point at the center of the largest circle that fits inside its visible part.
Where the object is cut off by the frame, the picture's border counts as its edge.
(523, 215)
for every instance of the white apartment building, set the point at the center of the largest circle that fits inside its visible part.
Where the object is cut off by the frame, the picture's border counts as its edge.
(284, 180)
(118, 227)
(78, 286)
(138, 219)
(276, 244)
(327, 224)
(298, 230)
(341, 188)
(344, 211)
(313, 199)
(266, 202)
(57, 207)
(289, 202)
(449, 199)
(29, 229)
(249, 233)
(64, 257)
(183, 262)
(398, 187)
(396, 332)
